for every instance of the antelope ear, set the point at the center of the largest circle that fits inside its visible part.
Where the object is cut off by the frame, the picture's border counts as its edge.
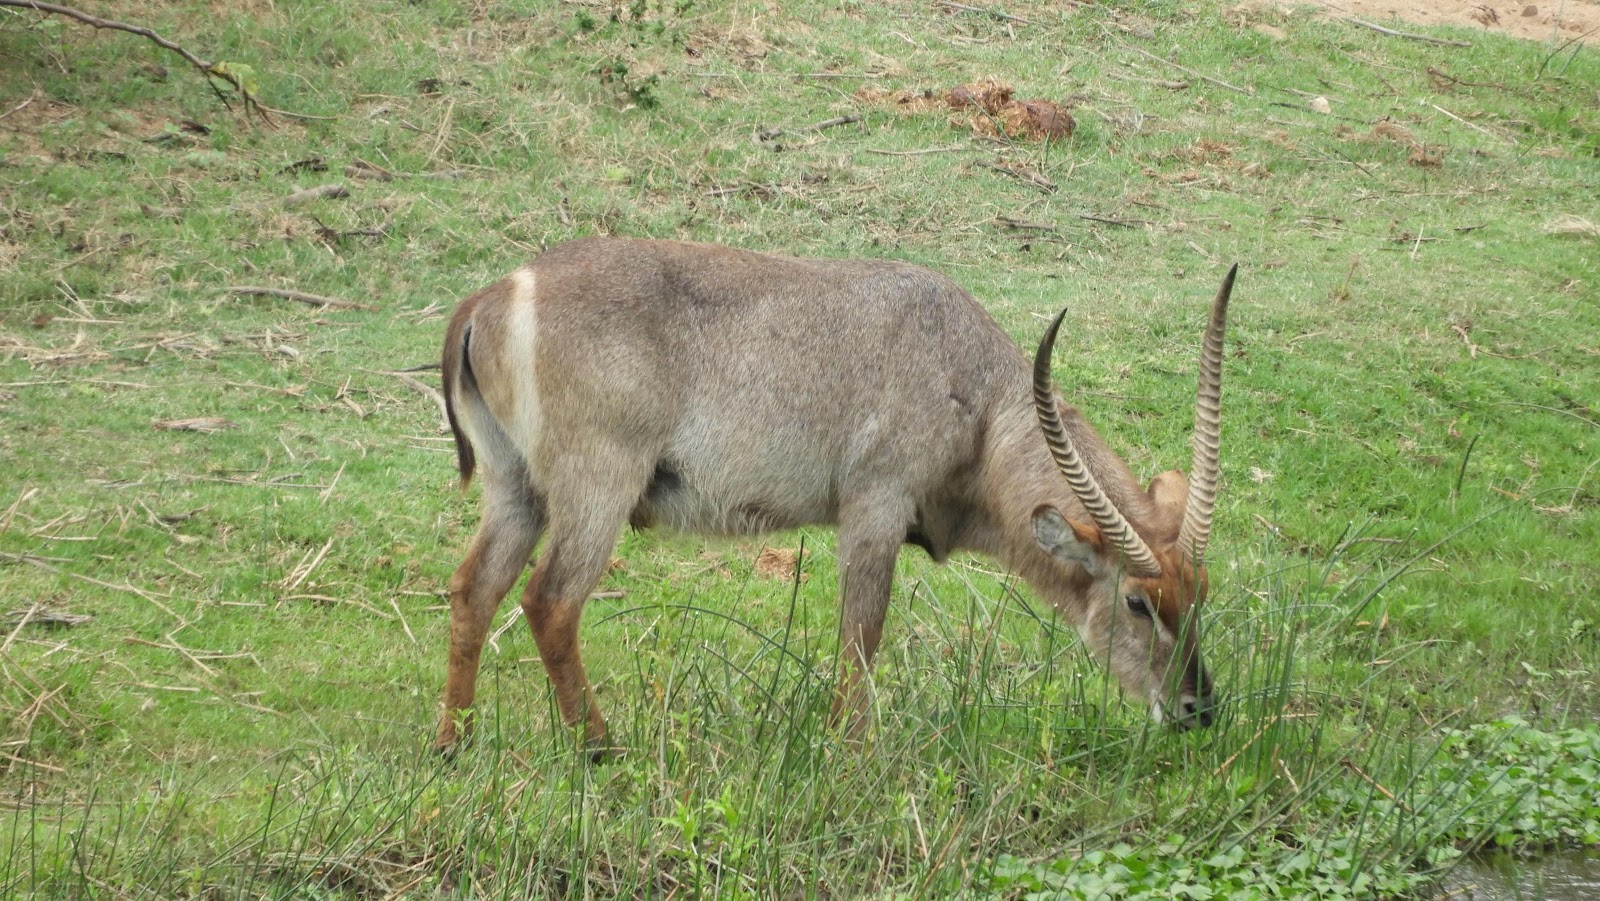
(1170, 493)
(1066, 540)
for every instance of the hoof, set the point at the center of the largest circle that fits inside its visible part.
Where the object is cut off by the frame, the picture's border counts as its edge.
(603, 750)
(455, 733)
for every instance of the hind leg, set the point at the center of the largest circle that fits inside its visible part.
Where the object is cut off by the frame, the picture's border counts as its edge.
(583, 531)
(512, 521)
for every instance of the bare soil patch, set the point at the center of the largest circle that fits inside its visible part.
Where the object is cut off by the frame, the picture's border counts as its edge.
(1538, 20)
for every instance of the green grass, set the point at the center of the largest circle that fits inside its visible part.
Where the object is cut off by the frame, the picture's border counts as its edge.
(1405, 548)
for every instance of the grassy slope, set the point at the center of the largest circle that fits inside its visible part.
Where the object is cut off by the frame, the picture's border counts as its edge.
(1352, 400)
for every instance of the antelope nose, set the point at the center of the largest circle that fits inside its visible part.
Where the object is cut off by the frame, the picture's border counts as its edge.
(1196, 712)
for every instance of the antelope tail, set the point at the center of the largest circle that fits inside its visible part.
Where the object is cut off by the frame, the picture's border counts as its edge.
(456, 370)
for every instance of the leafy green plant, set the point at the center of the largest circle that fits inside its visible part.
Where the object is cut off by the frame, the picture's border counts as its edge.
(638, 91)
(1532, 787)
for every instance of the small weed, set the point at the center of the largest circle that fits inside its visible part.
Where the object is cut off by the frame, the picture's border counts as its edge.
(638, 91)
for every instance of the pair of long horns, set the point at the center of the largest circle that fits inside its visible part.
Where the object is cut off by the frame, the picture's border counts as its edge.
(1196, 529)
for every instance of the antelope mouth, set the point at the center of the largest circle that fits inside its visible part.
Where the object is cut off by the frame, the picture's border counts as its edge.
(1192, 712)
(1195, 712)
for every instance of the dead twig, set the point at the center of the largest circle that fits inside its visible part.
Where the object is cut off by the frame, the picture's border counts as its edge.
(38, 616)
(1158, 82)
(21, 106)
(148, 596)
(188, 654)
(332, 191)
(1023, 224)
(1408, 35)
(11, 512)
(403, 624)
(1023, 174)
(27, 616)
(303, 570)
(299, 296)
(1190, 72)
(1446, 79)
(27, 762)
(1268, 724)
(428, 391)
(923, 152)
(1351, 766)
(370, 171)
(327, 492)
(773, 133)
(993, 13)
(1471, 125)
(1123, 223)
(517, 614)
(328, 599)
(1568, 224)
(236, 76)
(205, 425)
(762, 191)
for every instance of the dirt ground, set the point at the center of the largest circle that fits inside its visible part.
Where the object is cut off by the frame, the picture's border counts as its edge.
(1539, 20)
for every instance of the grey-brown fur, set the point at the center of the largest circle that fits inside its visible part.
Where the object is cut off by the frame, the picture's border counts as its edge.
(716, 390)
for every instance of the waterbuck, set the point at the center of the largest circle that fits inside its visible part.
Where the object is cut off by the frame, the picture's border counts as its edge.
(720, 391)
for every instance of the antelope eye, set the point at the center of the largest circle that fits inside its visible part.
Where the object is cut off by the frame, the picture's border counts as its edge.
(1138, 605)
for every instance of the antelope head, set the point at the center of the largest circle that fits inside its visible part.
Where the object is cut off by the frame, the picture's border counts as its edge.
(1145, 584)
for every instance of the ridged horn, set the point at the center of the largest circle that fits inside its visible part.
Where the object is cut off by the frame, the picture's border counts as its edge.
(1203, 472)
(1141, 562)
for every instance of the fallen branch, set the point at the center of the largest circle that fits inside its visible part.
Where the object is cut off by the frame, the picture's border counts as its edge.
(765, 192)
(300, 296)
(21, 106)
(1158, 82)
(1190, 72)
(1023, 224)
(1023, 174)
(330, 600)
(1446, 79)
(1004, 17)
(205, 425)
(363, 169)
(320, 192)
(1124, 223)
(403, 624)
(774, 133)
(427, 390)
(303, 570)
(1568, 224)
(1471, 125)
(237, 76)
(148, 596)
(923, 152)
(1408, 35)
(1351, 766)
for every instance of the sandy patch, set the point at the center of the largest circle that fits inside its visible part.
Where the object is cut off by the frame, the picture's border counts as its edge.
(1561, 20)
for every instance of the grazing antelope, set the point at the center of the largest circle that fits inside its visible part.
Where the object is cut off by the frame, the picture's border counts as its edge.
(720, 391)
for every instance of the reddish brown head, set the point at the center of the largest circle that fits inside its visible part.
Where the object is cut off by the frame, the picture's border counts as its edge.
(1144, 585)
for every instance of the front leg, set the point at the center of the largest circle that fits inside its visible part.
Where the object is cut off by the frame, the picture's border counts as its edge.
(868, 548)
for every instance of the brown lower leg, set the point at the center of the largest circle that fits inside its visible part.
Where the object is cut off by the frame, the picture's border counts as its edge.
(461, 676)
(851, 699)
(864, 584)
(496, 559)
(554, 621)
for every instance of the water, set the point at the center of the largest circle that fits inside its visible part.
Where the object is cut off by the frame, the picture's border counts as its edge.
(1560, 876)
